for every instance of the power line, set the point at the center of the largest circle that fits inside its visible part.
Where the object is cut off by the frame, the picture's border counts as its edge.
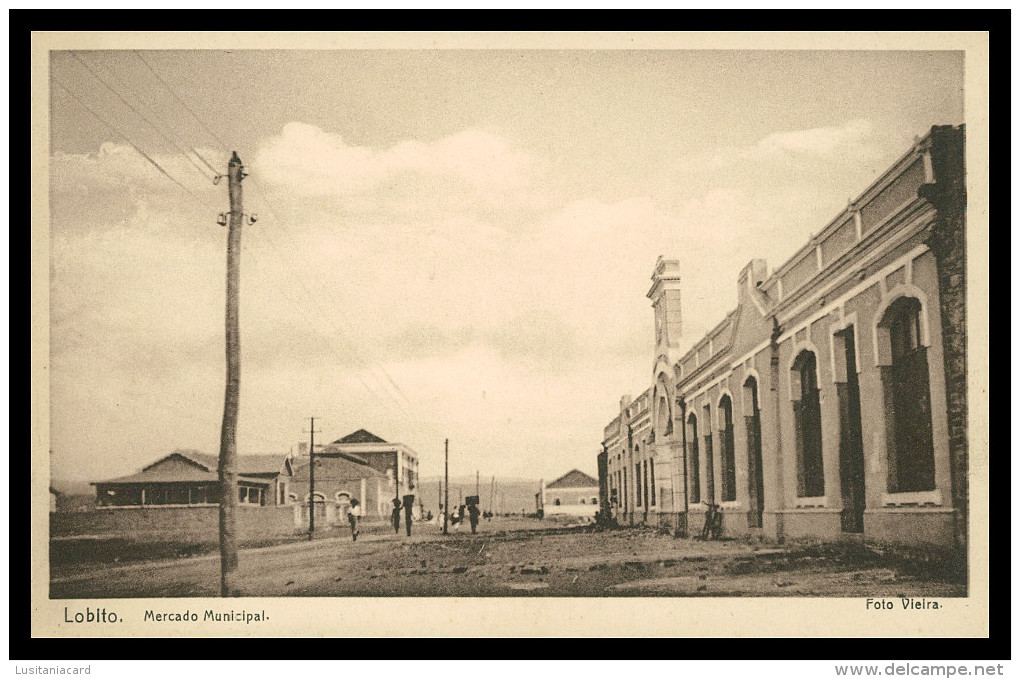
(361, 362)
(181, 101)
(141, 115)
(265, 197)
(375, 365)
(113, 127)
(135, 146)
(172, 131)
(199, 156)
(357, 359)
(187, 108)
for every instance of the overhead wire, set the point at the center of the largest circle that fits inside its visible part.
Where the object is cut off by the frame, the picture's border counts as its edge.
(122, 134)
(358, 359)
(207, 164)
(187, 108)
(266, 200)
(140, 114)
(181, 101)
(132, 143)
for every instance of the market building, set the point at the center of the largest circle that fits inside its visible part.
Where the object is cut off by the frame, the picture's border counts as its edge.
(191, 478)
(359, 466)
(832, 400)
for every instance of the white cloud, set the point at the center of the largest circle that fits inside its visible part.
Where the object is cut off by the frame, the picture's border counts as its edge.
(510, 320)
(820, 140)
(307, 160)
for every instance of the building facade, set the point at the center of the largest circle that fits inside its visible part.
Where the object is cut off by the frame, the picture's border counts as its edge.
(340, 478)
(832, 400)
(191, 478)
(573, 494)
(360, 465)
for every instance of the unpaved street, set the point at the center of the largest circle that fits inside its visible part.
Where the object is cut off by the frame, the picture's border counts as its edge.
(511, 557)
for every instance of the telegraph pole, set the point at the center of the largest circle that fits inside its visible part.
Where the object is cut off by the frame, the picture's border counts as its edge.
(311, 479)
(228, 432)
(476, 486)
(446, 484)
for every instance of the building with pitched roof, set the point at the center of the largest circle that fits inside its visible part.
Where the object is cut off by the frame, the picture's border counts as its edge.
(359, 465)
(190, 477)
(575, 493)
(339, 478)
(832, 400)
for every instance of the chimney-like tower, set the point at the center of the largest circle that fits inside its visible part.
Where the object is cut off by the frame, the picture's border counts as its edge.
(749, 283)
(665, 296)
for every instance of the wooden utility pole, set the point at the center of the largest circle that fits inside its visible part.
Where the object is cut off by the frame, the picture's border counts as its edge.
(492, 495)
(228, 433)
(311, 479)
(476, 486)
(446, 484)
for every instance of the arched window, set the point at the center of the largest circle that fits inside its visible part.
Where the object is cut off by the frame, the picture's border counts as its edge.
(807, 415)
(706, 416)
(665, 420)
(692, 458)
(651, 466)
(637, 479)
(729, 469)
(755, 476)
(556, 501)
(907, 400)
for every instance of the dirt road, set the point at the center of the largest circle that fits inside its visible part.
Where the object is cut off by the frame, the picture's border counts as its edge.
(531, 558)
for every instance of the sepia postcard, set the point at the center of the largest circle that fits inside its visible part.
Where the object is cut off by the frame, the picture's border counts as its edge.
(527, 334)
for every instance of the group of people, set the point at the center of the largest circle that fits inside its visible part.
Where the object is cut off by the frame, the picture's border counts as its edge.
(408, 507)
(469, 511)
(457, 517)
(355, 513)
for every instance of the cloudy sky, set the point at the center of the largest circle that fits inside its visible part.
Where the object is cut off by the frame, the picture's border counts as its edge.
(450, 243)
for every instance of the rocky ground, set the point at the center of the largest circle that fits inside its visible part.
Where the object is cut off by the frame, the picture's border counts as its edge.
(520, 557)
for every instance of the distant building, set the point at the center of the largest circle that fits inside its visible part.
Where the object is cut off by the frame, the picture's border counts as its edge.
(575, 493)
(190, 477)
(360, 465)
(832, 400)
(340, 478)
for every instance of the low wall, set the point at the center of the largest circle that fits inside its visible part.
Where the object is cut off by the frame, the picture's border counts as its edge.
(819, 523)
(177, 523)
(673, 522)
(922, 525)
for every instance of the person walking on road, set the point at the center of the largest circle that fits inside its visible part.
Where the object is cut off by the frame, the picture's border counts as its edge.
(455, 520)
(395, 516)
(408, 509)
(353, 514)
(473, 514)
